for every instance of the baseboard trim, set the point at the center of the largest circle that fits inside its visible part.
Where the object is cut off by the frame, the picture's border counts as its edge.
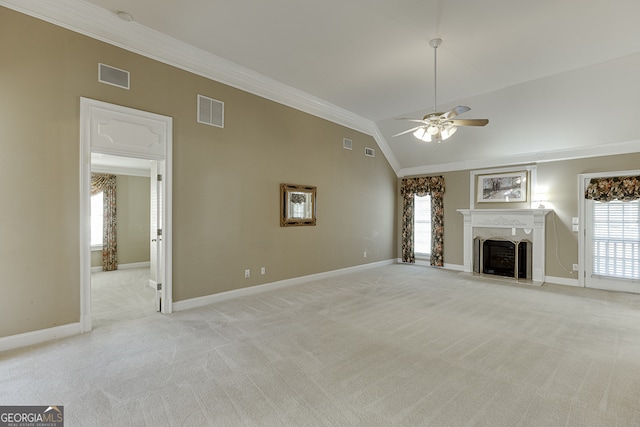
(562, 281)
(36, 337)
(425, 263)
(235, 293)
(144, 264)
(454, 267)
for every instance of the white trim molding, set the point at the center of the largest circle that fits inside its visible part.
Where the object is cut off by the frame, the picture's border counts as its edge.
(564, 281)
(36, 337)
(427, 263)
(129, 266)
(158, 147)
(610, 149)
(235, 293)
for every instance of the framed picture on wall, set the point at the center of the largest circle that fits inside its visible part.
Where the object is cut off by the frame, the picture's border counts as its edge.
(504, 187)
(297, 205)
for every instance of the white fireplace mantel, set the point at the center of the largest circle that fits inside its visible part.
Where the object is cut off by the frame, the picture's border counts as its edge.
(531, 221)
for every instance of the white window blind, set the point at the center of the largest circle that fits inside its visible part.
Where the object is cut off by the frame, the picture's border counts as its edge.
(616, 239)
(97, 217)
(422, 225)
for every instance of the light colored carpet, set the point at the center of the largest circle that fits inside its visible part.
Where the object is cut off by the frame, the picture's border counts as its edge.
(394, 345)
(121, 295)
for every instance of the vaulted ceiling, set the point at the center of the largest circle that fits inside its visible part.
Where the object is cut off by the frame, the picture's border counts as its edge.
(371, 61)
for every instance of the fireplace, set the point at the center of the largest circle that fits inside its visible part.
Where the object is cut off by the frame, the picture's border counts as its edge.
(521, 226)
(502, 258)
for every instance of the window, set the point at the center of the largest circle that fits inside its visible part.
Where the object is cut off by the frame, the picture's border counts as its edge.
(96, 221)
(616, 239)
(422, 225)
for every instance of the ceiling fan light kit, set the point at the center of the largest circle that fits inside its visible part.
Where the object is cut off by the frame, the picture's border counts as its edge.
(438, 126)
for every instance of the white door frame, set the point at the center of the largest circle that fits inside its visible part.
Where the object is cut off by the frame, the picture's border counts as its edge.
(582, 220)
(99, 121)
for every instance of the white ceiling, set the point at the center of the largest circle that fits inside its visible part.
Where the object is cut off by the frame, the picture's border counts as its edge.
(372, 58)
(106, 163)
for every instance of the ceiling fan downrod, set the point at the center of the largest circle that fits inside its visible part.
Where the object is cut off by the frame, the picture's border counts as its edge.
(434, 43)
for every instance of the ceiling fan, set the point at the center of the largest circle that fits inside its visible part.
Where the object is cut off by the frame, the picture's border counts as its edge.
(439, 126)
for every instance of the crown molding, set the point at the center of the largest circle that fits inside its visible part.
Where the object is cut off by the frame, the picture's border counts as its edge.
(384, 147)
(103, 25)
(610, 149)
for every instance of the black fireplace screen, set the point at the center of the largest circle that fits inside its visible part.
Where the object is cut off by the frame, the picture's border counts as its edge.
(503, 258)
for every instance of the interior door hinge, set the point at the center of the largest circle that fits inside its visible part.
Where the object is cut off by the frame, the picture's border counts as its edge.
(159, 232)
(158, 286)
(159, 177)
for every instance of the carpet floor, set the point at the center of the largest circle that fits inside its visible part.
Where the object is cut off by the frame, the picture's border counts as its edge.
(393, 345)
(121, 295)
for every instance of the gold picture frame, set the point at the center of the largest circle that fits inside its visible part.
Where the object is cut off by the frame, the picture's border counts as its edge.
(297, 205)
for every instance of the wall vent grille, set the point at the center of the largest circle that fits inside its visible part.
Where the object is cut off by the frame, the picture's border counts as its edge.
(210, 111)
(113, 76)
(347, 144)
(369, 152)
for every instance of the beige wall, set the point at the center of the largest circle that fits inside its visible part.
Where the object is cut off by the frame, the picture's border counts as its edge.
(132, 213)
(561, 179)
(226, 181)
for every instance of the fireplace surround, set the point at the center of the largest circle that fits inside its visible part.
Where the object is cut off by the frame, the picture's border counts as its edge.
(514, 225)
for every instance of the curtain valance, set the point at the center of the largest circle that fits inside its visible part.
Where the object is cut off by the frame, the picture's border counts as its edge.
(623, 188)
(100, 182)
(423, 185)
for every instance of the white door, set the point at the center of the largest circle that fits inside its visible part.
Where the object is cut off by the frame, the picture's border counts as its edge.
(155, 249)
(612, 245)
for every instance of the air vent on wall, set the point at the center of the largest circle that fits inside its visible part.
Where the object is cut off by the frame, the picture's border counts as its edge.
(370, 152)
(113, 76)
(347, 144)
(210, 111)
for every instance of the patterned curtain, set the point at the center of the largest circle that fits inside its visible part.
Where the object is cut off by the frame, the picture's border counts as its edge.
(421, 186)
(107, 185)
(623, 188)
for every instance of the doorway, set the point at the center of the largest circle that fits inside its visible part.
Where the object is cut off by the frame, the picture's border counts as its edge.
(125, 293)
(121, 132)
(609, 241)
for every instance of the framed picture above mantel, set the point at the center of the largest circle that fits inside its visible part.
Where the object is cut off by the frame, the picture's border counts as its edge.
(504, 187)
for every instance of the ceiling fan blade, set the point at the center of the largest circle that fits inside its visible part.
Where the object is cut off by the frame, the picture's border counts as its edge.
(411, 120)
(469, 122)
(458, 110)
(407, 131)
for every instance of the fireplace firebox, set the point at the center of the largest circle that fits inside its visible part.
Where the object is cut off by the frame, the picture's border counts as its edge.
(504, 258)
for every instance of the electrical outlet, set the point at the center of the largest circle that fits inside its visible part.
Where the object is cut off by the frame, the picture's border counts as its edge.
(576, 267)
(247, 273)
(263, 270)
(365, 254)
